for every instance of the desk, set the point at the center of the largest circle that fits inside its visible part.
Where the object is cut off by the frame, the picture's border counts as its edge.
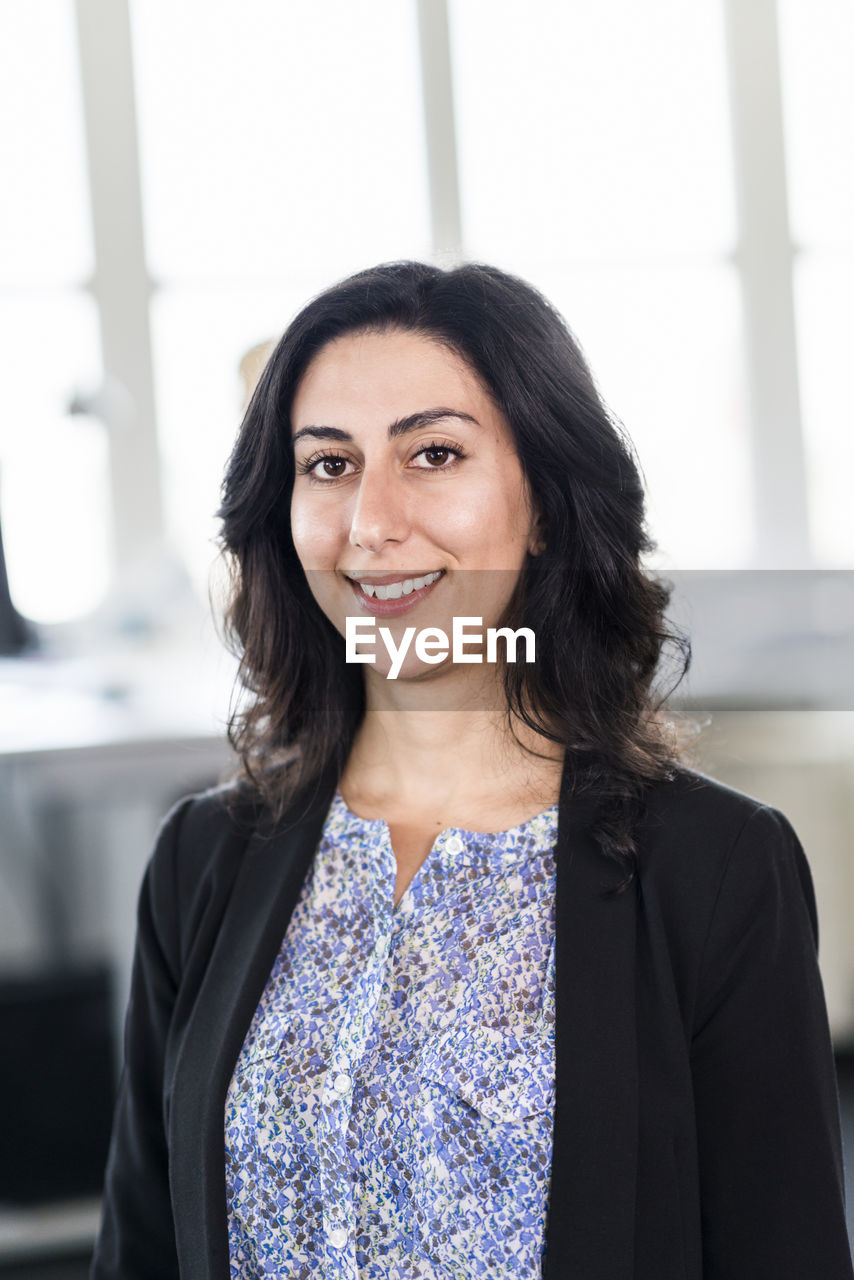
(48, 1230)
(92, 754)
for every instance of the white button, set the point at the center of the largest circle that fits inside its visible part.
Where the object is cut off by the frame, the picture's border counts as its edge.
(342, 1083)
(338, 1237)
(454, 845)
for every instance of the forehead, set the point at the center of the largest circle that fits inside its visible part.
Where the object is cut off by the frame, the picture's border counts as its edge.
(369, 378)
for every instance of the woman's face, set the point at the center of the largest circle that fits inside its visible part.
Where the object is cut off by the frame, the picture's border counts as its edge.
(405, 469)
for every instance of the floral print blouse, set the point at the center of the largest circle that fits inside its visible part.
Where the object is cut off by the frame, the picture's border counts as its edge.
(390, 1112)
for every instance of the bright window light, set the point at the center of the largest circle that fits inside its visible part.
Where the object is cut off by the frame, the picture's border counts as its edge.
(596, 162)
(665, 349)
(54, 481)
(279, 140)
(591, 129)
(817, 55)
(45, 235)
(199, 339)
(824, 288)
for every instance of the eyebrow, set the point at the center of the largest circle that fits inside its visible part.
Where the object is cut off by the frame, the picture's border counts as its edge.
(412, 422)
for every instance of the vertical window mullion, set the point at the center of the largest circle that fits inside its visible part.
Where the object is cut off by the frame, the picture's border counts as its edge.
(440, 129)
(765, 259)
(121, 284)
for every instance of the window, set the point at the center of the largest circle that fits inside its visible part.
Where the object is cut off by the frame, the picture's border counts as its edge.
(281, 147)
(817, 48)
(54, 476)
(613, 154)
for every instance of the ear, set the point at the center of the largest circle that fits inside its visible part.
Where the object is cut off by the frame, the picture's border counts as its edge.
(537, 541)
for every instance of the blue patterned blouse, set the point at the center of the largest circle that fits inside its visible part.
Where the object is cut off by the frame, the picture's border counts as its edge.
(390, 1113)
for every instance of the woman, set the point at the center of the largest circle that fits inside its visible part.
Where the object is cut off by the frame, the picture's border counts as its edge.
(469, 975)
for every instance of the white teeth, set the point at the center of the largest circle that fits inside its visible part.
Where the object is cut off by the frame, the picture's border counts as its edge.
(394, 590)
(418, 583)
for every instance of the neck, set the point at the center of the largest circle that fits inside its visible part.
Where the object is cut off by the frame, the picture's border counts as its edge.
(451, 735)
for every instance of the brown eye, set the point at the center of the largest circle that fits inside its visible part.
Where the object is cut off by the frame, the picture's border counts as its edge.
(440, 457)
(330, 463)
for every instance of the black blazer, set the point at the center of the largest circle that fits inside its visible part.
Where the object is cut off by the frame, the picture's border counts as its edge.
(696, 1129)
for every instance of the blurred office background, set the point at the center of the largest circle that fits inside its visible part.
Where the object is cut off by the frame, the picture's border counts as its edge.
(178, 180)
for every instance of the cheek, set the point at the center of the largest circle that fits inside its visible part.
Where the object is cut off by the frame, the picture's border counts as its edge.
(324, 587)
(313, 533)
(498, 510)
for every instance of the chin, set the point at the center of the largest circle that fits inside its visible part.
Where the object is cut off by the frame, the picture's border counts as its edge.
(410, 673)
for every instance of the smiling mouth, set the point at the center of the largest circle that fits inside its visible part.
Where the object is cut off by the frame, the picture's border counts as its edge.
(396, 589)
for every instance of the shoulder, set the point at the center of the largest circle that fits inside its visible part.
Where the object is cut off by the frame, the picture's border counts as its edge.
(201, 826)
(688, 801)
(699, 835)
(692, 811)
(198, 850)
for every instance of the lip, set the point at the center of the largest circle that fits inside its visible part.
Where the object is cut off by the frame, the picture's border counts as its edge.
(391, 608)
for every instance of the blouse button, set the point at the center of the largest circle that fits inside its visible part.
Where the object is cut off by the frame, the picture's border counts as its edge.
(342, 1083)
(338, 1237)
(454, 845)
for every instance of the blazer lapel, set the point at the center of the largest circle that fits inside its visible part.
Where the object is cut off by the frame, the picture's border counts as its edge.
(265, 892)
(591, 1224)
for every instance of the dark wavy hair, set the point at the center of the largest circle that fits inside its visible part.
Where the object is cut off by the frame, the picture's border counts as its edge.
(597, 615)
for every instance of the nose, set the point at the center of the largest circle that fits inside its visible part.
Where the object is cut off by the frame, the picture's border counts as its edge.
(380, 514)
